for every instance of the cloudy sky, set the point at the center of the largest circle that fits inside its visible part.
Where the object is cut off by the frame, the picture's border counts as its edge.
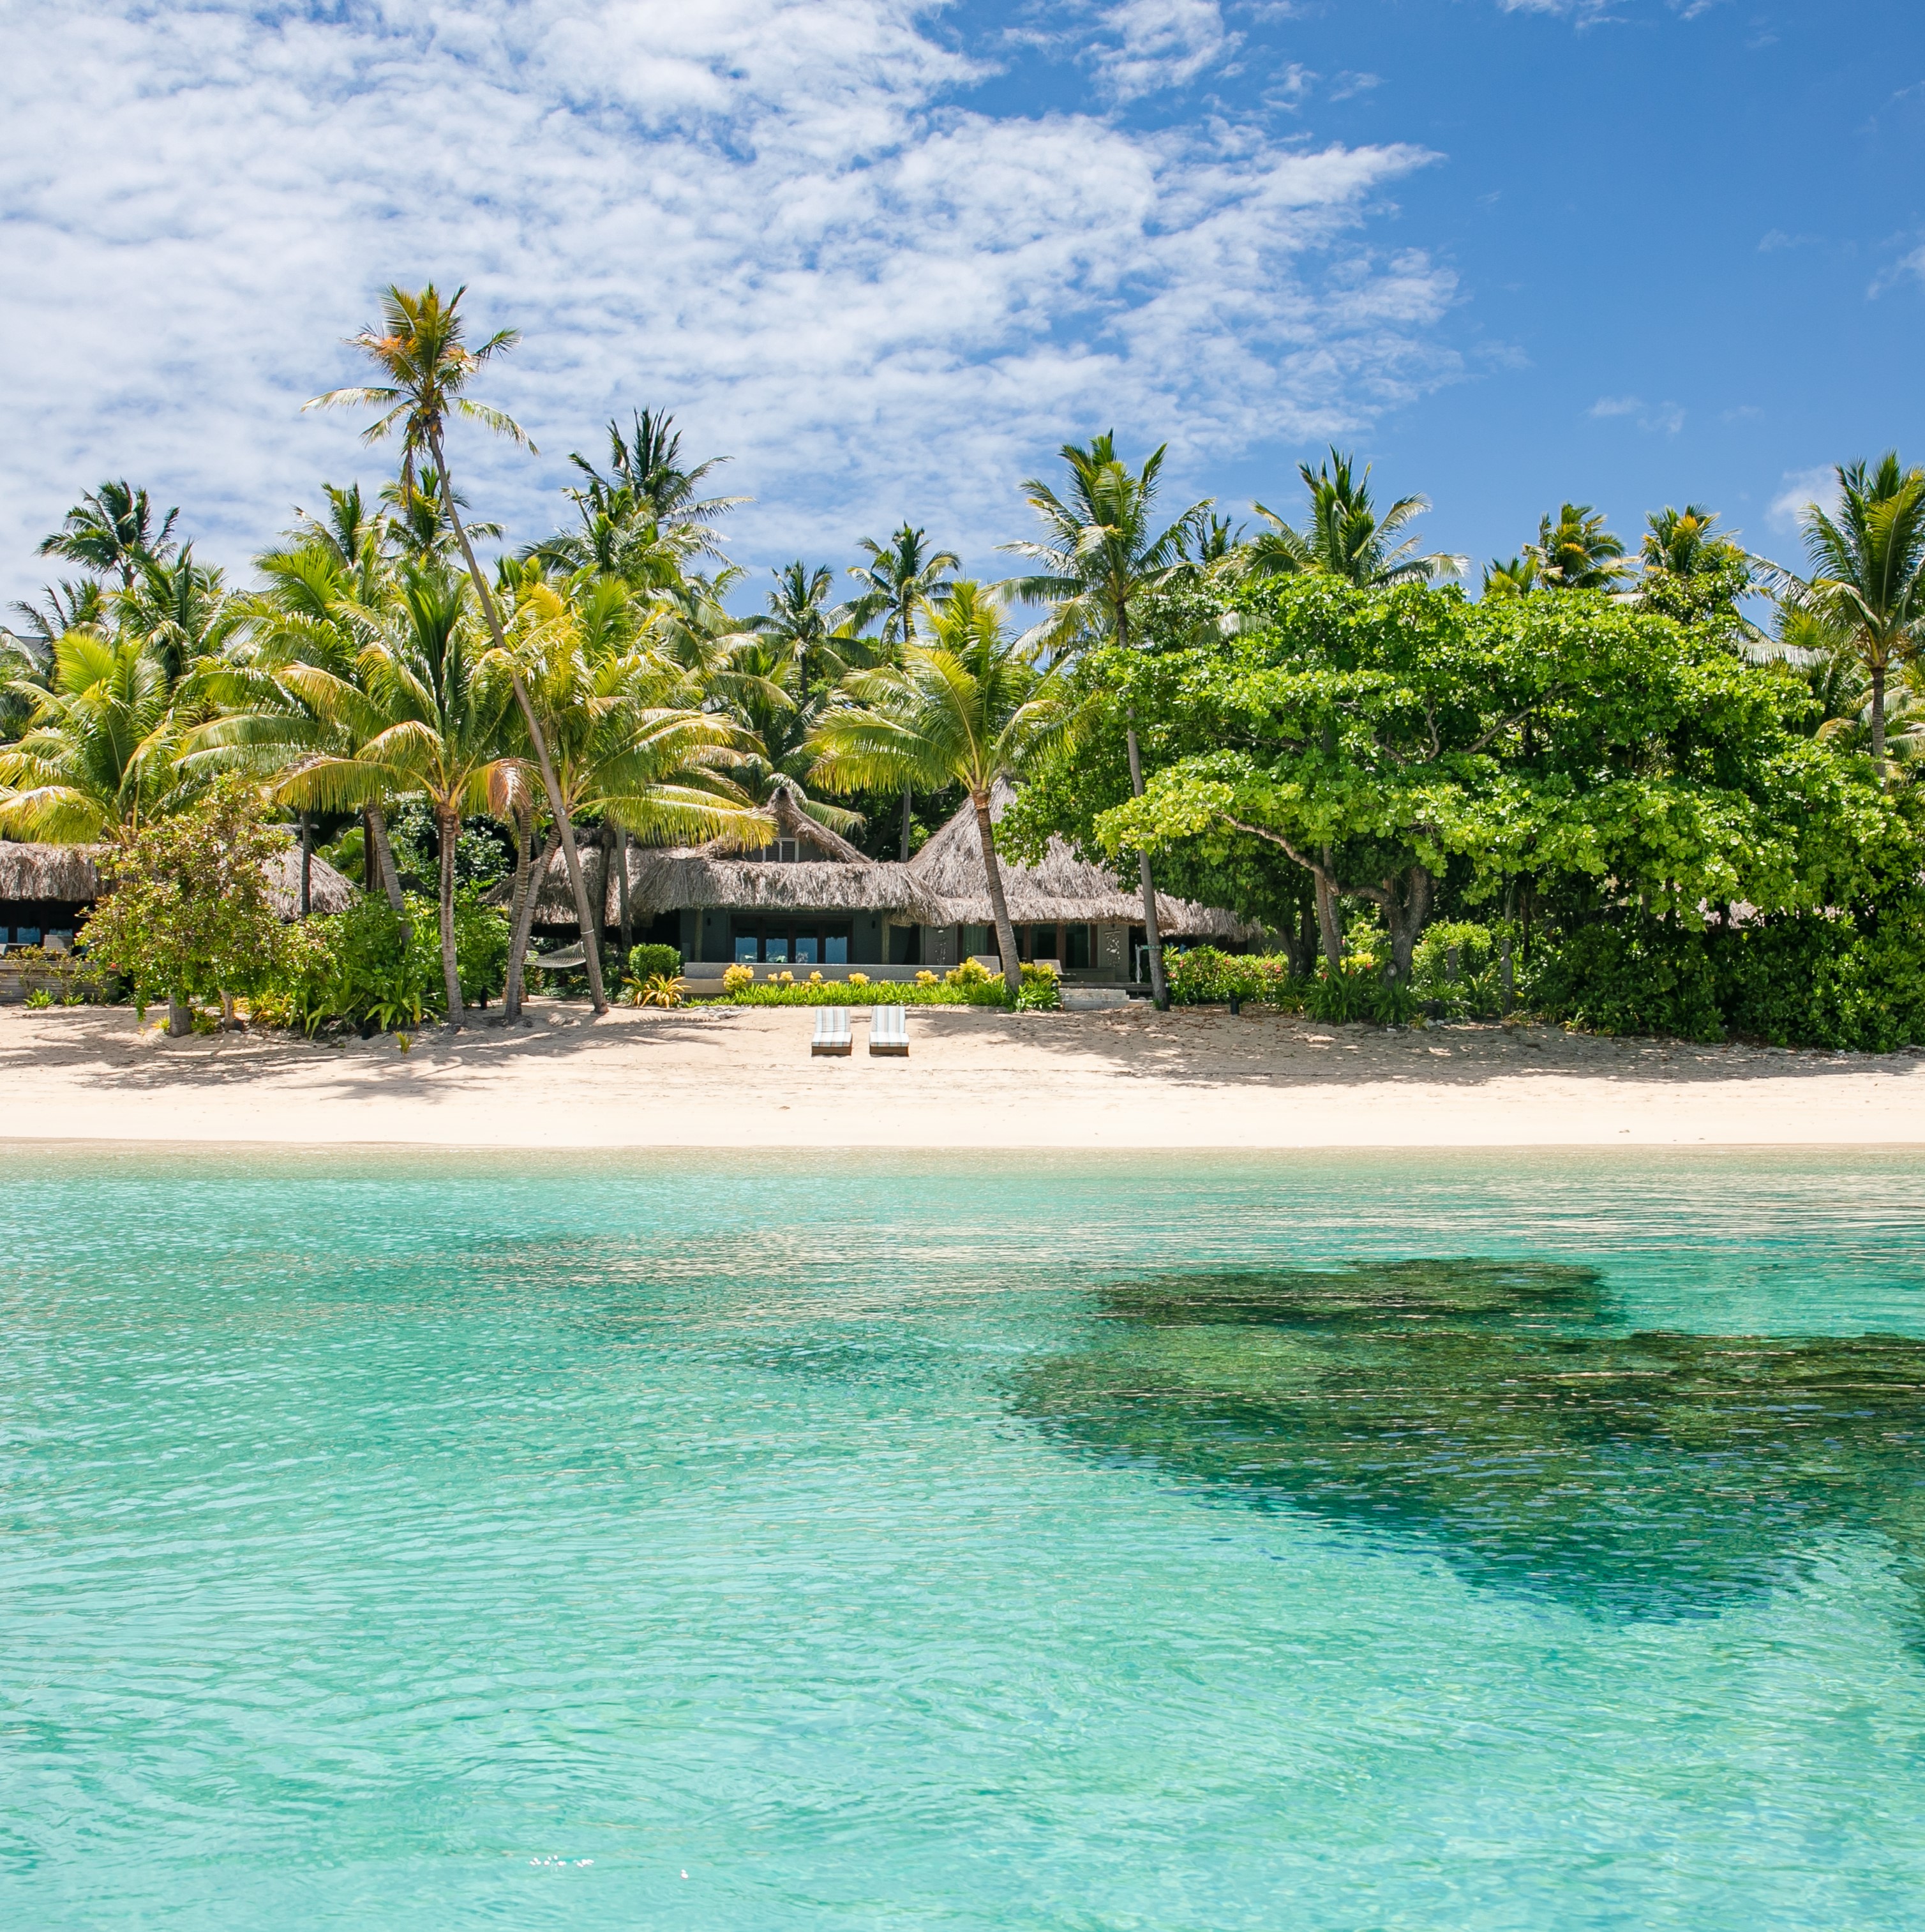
(887, 254)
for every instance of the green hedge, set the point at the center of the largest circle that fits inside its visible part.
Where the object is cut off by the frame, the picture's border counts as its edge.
(646, 962)
(1807, 981)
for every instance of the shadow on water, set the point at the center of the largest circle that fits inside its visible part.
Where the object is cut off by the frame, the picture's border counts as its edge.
(1481, 1407)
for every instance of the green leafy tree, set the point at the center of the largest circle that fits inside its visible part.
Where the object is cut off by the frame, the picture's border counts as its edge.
(970, 708)
(187, 914)
(421, 348)
(1345, 537)
(1100, 558)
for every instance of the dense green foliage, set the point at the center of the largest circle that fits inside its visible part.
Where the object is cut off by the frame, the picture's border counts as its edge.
(647, 962)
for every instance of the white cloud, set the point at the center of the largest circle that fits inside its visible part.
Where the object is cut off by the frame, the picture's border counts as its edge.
(1667, 418)
(1909, 267)
(1801, 489)
(767, 215)
(1161, 44)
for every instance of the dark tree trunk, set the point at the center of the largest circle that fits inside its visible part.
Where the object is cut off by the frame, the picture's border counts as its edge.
(306, 867)
(1304, 964)
(448, 825)
(180, 1017)
(591, 937)
(1507, 971)
(1329, 918)
(384, 870)
(1407, 903)
(1152, 937)
(1005, 933)
(905, 825)
(1878, 718)
(622, 892)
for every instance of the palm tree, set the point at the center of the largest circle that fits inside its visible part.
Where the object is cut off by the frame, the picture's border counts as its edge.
(112, 530)
(66, 606)
(1574, 551)
(969, 708)
(899, 580)
(101, 750)
(649, 484)
(442, 710)
(1345, 537)
(1510, 577)
(627, 739)
(429, 366)
(1867, 563)
(1099, 559)
(180, 610)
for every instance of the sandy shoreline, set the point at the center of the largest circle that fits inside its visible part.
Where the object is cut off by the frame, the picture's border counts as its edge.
(743, 1077)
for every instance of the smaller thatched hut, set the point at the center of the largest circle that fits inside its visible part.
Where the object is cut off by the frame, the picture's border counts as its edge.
(1068, 910)
(46, 890)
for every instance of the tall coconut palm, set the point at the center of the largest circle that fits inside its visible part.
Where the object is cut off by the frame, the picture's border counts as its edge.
(648, 484)
(1867, 564)
(1574, 551)
(102, 749)
(180, 610)
(111, 532)
(1510, 577)
(900, 578)
(968, 708)
(627, 736)
(442, 710)
(420, 348)
(1100, 556)
(1345, 537)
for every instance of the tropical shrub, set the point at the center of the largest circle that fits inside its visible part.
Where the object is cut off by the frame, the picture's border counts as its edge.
(1205, 975)
(1041, 990)
(736, 978)
(665, 989)
(645, 962)
(1458, 971)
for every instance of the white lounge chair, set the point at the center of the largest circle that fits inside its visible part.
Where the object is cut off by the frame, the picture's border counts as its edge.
(831, 1032)
(889, 1030)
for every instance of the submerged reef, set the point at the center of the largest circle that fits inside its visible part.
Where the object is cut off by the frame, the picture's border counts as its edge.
(1485, 1409)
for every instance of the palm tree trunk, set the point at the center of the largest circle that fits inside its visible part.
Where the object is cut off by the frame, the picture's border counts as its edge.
(1005, 933)
(1878, 718)
(448, 825)
(557, 804)
(1152, 935)
(306, 866)
(597, 904)
(622, 892)
(524, 927)
(383, 869)
(905, 825)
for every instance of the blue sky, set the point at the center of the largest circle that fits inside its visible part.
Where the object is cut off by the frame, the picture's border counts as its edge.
(887, 255)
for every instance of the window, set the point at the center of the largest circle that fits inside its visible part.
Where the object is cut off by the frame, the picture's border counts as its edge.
(905, 945)
(775, 949)
(747, 948)
(979, 940)
(1042, 942)
(836, 949)
(807, 947)
(1076, 948)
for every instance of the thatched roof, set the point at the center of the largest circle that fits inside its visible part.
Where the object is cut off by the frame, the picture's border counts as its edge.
(835, 877)
(69, 874)
(1065, 888)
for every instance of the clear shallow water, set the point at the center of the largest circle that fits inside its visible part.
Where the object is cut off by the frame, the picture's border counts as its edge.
(389, 1541)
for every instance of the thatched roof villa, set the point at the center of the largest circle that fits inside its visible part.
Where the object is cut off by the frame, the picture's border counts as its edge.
(810, 899)
(46, 890)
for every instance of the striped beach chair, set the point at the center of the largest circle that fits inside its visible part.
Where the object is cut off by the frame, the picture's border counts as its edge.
(832, 1037)
(889, 1030)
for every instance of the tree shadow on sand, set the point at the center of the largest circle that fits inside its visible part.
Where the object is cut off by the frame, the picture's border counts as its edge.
(1475, 1407)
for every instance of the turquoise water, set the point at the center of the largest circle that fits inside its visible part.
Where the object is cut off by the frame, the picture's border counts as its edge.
(785, 1541)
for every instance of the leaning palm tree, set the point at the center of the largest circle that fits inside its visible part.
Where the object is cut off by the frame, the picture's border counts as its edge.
(429, 366)
(628, 740)
(900, 578)
(102, 749)
(1345, 537)
(1867, 564)
(1100, 556)
(969, 708)
(111, 531)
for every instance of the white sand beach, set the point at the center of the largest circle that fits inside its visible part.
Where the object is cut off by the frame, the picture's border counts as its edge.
(1125, 1078)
